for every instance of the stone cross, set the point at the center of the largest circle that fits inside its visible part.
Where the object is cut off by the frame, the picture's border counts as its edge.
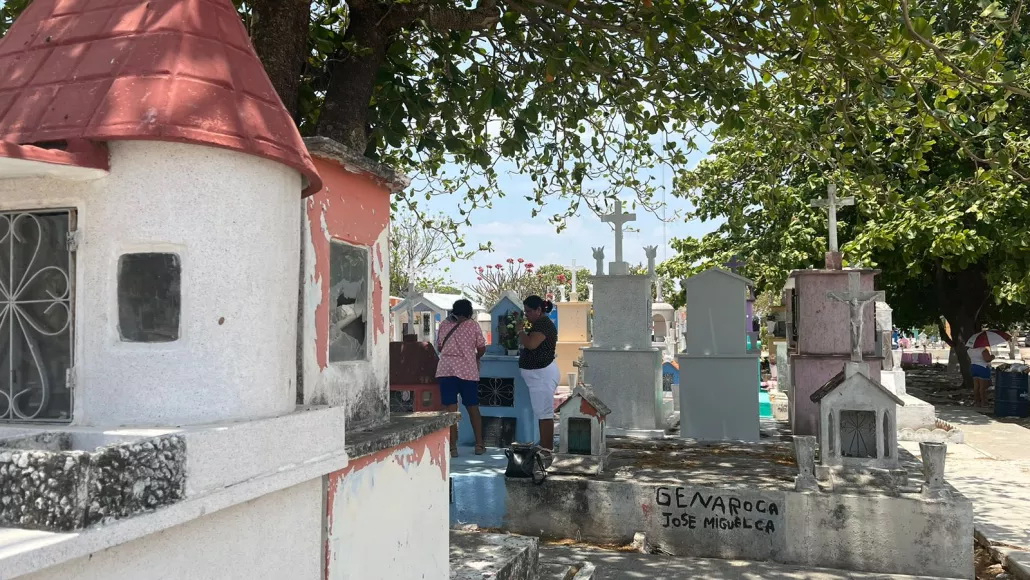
(410, 298)
(651, 252)
(574, 294)
(599, 257)
(618, 219)
(856, 301)
(734, 264)
(581, 373)
(831, 203)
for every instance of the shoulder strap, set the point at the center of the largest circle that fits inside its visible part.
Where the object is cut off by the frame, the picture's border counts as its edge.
(453, 328)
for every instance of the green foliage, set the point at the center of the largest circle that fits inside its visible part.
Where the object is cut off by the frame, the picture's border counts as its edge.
(930, 137)
(558, 275)
(514, 275)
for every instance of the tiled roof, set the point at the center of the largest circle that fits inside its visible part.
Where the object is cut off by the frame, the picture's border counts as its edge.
(163, 70)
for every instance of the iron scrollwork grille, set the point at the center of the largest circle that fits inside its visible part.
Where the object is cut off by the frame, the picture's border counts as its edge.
(497, 392)
(37, 269)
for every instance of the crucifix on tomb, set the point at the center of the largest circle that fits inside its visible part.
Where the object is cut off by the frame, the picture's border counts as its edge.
(831, 203)
(618, 219)
(735, 264)
(856, 300)
(410, 300)
(574, 295)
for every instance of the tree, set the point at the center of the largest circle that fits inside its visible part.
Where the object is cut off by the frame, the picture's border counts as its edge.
(583, 95)
(515, 275)
(558, 275)
(938, 172)
(417, 252)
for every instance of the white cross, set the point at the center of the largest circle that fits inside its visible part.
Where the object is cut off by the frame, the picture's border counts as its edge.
(574, 295)
(831, 203)
(618, 219)
(856, 300)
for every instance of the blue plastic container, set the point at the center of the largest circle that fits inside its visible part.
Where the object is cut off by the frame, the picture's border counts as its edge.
(1011, 394)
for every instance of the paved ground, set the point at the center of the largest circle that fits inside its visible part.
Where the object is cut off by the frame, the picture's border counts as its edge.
(993, 470)
(628, 566)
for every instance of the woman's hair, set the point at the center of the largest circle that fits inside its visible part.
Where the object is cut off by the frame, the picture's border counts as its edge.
(533, 302)
(462, 307)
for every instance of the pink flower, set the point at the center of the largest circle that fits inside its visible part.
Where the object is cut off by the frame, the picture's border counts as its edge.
(561, 278)
(498, 266)
(480, 268)
(521, 260)
(529, 264)
(479, 277)
(511, 261)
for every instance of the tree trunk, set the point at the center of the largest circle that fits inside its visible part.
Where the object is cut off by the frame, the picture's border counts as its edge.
(344, 116)
(961, 297)
(280, 37)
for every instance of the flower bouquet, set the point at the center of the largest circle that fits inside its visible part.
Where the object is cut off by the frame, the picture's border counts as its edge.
(511, 324)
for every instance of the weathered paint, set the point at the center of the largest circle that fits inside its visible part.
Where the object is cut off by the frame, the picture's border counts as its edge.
(353, 207)
(587, 409)
(397, 497)
(238, 245)
(277, 535)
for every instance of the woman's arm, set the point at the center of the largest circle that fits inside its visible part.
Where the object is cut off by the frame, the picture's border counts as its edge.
(988, 355)
(532, 340)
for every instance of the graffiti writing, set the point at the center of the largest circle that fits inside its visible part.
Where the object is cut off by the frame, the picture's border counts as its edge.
(718, 511)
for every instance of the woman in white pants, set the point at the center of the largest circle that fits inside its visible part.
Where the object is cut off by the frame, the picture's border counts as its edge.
(537, 364)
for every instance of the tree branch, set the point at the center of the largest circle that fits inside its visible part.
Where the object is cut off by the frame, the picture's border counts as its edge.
(484, 16)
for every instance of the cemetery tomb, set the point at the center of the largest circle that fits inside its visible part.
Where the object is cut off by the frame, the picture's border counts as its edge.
(229, 369)
(819, 341)
(718, 380)
(503, 395)
(857, 422)
(583, 445)
(733, 500)
(625, 368)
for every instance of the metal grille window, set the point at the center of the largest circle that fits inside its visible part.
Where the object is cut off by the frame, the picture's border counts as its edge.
(36, 286)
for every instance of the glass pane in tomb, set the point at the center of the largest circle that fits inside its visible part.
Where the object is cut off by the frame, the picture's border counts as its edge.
(579, 436)
(37, 281)
(348, 291)
(149, 299)
(858, 434)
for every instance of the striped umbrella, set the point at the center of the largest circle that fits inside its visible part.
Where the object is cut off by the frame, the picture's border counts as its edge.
(987, 339)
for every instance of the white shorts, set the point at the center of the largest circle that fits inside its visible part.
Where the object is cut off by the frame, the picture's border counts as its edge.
(542, 385)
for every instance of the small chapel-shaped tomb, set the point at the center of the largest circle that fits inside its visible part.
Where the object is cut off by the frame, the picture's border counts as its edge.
(582, 447)
(857, 422)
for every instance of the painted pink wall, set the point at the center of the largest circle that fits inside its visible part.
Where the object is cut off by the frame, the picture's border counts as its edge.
(388, 513)
(354, 208)
(823, 324)
(810, 373)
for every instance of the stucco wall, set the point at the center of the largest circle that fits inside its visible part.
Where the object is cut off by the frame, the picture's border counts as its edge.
(232, 219)
(823, 324)
(352, 208)
(807, 375)
(874, 533)
(388, 514)
(276, 536)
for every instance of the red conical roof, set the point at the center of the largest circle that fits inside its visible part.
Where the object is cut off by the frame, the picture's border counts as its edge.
(162, 70)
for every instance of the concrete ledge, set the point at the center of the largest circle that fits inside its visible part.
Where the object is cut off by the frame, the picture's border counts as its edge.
(401, 429)
(221, 455)
(475, 556)
(866, 532)
(1016, 562)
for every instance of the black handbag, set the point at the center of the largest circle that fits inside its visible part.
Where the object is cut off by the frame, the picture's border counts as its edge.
(527, 460)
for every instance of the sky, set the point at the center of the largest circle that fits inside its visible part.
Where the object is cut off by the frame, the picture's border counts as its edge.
(516, 234)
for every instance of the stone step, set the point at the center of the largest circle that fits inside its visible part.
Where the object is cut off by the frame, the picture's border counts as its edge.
(583, 571)
(478, 556)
